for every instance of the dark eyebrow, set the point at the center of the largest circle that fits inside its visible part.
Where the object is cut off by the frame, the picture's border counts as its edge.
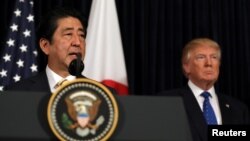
(81, 29)
(71, 28)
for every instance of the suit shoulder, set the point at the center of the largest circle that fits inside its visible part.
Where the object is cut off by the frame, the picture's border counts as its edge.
(22, 84)
(234, 102)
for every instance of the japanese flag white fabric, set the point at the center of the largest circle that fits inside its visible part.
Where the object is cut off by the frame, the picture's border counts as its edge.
(104, 60)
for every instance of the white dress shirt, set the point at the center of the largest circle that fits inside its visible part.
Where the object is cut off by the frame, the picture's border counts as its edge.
(54, 78)
(213, 99)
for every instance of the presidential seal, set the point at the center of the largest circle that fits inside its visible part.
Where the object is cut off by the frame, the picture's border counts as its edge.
(82, 110)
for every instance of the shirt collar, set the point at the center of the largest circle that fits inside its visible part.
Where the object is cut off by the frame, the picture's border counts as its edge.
(53, 78)
(197, 90)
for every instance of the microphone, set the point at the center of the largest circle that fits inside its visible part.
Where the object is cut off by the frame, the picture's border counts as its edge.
(76, 66)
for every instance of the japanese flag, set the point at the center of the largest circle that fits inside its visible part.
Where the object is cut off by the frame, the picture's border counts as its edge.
(104, 60)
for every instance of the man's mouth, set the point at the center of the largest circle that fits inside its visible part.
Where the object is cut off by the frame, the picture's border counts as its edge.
(75, 54)
(209, 72)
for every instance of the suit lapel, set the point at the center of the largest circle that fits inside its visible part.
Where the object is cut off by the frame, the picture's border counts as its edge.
(225, 110)
(40, 82)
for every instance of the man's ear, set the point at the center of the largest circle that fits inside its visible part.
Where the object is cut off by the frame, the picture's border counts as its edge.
(186, 68)
(44, 45)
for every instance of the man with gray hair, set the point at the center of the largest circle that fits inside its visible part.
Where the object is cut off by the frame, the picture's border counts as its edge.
(204, 105)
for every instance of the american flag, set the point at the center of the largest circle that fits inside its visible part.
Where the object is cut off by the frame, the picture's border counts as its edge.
(19, 53)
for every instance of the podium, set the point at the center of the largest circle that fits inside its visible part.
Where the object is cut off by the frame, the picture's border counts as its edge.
(23, 116)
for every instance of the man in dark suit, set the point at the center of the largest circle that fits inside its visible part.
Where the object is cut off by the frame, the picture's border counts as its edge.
(61, 37)
(200, 63)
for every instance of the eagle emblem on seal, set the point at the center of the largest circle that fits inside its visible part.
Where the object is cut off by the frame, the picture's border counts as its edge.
(82, 112)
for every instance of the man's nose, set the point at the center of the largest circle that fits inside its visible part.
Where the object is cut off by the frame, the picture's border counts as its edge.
(76, 41)
(208, 61)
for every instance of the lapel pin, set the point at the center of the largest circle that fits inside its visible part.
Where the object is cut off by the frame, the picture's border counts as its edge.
(227, 105)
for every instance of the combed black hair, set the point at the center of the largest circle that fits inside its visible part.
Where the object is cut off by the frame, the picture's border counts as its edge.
(49, 23)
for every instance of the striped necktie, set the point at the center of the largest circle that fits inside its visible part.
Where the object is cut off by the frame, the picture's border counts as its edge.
(208, 111)
(60, 83)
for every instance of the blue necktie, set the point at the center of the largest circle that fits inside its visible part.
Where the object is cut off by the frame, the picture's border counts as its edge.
(208, 111)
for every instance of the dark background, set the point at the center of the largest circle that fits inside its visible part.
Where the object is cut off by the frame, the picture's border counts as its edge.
(155, 31)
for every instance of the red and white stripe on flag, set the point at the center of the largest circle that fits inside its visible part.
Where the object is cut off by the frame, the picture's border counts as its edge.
(104, 60)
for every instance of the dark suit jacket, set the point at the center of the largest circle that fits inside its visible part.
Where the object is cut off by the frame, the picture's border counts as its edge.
(235, 113)
(37, 83)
